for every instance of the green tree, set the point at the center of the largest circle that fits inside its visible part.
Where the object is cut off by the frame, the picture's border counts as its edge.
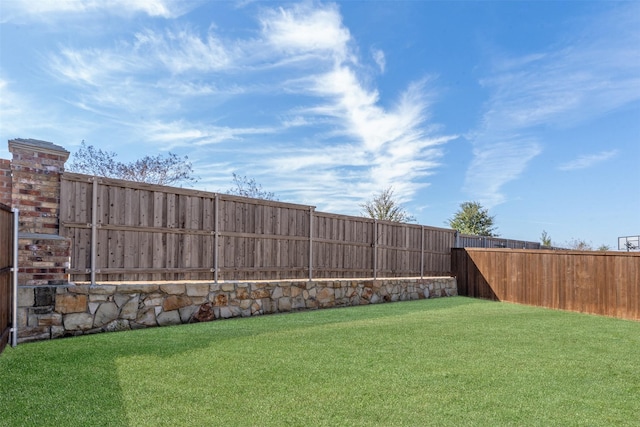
(246, 187)
(545, 239)
(474, 219)
(604, 248)
(161, 170)
(384, 206)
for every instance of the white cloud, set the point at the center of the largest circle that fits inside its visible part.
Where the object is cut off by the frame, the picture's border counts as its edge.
(43, 10)
(587, 160)
(379, 58)
(150, 83)
(305, 29)
(592, 74)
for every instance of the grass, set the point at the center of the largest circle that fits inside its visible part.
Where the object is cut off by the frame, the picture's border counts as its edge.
(450, 361)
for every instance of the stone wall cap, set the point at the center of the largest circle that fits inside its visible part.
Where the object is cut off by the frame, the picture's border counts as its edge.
(43, 146)
(40, 236)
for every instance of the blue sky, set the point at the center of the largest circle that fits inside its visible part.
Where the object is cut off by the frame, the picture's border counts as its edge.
(531, 108)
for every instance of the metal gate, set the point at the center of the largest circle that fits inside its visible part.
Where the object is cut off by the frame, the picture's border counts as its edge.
(8, 276)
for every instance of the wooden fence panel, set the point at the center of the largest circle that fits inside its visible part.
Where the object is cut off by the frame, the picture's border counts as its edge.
(342, 246)
(605, 283)
(142, 232)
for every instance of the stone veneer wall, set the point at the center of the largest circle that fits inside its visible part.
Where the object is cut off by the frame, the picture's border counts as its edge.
(49, 311)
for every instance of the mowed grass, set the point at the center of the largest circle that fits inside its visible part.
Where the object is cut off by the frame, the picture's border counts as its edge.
(450, 361)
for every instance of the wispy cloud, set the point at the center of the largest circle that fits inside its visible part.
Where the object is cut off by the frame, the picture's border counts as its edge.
(42, 10)
(301, 50)
(587, 160)
(591, 74)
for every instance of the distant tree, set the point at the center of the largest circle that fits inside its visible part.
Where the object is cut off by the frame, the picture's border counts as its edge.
(630, 246)
(545, 239)
(474, 219)
(246, 187)
(604, 248)
(161, 170)
(385, 207)
(579, 245)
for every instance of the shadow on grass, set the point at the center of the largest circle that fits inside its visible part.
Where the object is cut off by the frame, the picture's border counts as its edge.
(76, 381)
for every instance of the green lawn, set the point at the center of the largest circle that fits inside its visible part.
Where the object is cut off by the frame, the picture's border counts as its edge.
(449, 361)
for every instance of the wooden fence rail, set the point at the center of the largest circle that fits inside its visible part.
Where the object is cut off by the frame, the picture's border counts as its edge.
(605, 283)
(125, 231)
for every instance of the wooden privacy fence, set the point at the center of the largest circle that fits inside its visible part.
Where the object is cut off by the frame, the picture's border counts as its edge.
(605, 283)
(126, 231)
(7, 257)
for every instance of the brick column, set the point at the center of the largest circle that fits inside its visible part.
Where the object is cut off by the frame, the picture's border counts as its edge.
(5, 182)
(36, 167)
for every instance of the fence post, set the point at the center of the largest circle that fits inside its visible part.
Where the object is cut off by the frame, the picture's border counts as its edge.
(375, 248)
(216, 234)
(457, 239)
(94, 227)
(14, 278)
(422, 251)
(311, 208)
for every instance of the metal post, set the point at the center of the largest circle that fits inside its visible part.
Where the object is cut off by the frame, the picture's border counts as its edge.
(311, 208)
(14, 269)
(216, 235)
(94, 228)
(457, 238)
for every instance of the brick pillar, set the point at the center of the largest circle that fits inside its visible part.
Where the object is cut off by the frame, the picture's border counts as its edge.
(5, 182)
(43, 255)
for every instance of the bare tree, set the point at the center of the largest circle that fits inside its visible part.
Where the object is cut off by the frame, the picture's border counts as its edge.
(161, 170)
(384, 206)
(248, 187)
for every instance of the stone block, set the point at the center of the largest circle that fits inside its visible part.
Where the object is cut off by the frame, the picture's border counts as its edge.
(186, 313)
(169, 318)
(220, 300)
(77, 321)
(243, 293)
(57, 331)
(138, 288)
(129, 311)
(325, 296)
(52, 319)
(106, 313)
(298, 303)
(102, 289)
(117, 325)
(173, 288)
(175, 302)
(44, 295)
(197, 289)
(284, 304)
(205, 313)
(147, 317)
(228, 287)
(93, 306)
(121, 299)
(260, 293)
(26, 297)
(71, 303)
(153, 300)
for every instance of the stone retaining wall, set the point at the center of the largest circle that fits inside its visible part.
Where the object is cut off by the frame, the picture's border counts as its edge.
(50, 311)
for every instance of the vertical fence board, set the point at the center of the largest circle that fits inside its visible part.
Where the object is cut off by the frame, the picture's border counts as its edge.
(605, 283)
